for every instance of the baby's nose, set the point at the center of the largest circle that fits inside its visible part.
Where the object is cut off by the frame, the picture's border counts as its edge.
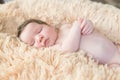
(40, 40)
(43, 42)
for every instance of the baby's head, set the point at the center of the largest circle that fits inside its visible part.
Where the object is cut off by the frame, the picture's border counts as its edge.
(37, 33)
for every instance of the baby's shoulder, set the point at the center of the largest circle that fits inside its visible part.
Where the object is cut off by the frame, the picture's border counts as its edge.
(63, 32)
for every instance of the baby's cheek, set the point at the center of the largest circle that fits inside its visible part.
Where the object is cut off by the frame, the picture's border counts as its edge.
(47, 33)
(51, 43)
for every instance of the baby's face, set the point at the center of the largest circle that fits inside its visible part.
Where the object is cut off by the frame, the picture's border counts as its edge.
(39, 35)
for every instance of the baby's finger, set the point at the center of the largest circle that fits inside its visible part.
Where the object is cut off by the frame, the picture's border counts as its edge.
(83, 24)
(90, 31)
(84, 28)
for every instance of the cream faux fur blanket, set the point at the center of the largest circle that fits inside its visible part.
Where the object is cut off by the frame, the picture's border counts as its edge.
(21, 62)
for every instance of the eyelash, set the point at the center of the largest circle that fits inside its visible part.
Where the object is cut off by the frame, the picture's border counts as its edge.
(41, 29)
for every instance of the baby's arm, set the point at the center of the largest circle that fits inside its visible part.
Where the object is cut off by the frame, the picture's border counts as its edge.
(72, 41)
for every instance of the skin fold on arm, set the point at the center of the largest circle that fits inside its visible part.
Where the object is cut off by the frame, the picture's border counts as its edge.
(72, 41)
(79, 27)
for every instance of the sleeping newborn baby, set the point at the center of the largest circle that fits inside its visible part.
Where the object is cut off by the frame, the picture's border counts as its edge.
(70, 38)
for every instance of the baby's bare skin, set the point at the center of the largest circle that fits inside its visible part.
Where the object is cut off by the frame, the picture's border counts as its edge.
(101, 48)
(71, 38)
(94, 43)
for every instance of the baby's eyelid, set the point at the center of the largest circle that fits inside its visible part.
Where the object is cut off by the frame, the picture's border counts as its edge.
(40, 30)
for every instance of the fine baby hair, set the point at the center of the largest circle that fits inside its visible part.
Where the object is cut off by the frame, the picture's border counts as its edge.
(23, 25)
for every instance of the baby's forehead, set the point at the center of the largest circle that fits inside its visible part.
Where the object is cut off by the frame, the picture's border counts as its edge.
(30, 30)
(33, 25)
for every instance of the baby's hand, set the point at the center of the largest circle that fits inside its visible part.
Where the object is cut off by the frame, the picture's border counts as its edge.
(86, 26)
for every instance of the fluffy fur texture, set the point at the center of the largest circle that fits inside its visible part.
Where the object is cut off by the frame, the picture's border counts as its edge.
(21, 62)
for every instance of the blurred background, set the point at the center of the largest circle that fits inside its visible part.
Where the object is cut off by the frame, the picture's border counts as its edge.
(4, 1)
(115, 3)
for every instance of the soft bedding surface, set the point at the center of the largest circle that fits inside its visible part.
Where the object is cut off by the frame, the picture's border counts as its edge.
(19, 61)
